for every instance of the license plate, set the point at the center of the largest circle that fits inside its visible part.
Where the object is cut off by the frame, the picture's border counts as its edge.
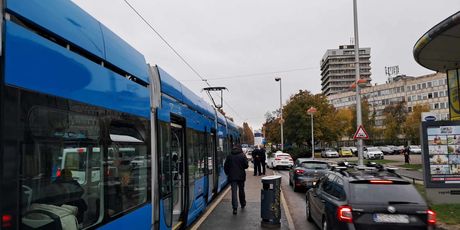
(284, 162)
(391, 218)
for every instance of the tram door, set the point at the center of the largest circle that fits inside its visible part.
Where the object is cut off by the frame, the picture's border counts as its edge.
(212, 177)
(178, 174)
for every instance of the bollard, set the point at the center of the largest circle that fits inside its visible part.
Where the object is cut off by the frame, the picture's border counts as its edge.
(270, 209)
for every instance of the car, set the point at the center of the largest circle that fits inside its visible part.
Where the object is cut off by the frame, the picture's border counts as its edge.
(354, 150)
(280, 159)
(397, 149)
(328, 152)
(249, 156)
(372, 153)
(415, 149)
(386, 149)
(345, 152)
(306, 172)
(367, 198)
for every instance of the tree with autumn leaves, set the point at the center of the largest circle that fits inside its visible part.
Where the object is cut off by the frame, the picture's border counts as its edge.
(329, 124)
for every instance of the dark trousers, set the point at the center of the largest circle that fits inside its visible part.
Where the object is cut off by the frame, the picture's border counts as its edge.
(240, 186)
(256, 167)
(262, 164)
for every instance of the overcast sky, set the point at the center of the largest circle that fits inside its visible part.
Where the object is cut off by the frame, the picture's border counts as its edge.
(247, 43)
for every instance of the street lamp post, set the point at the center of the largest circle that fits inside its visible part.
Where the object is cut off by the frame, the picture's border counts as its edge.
(358, 97)
(281, 113)
(311, 111)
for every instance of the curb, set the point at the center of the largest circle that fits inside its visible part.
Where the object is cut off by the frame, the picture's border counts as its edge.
(290, 221)
(209, 210)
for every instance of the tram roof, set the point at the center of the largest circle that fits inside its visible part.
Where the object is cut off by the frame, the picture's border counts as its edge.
(439, 48)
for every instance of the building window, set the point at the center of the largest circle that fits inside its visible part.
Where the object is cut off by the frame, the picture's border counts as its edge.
(435, 83)
(429, 84)
(409, 99)
(419, 86)
(419, 97)
(423, 85)
(425, 97)
(442, 105)
(430, 95)
(409, 109)
(413, 88)
(408, 88)
(441, 82)
(441, 94)
(435, 94)
(435, 106)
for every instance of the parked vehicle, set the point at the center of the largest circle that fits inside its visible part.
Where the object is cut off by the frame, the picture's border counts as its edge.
(306, 173)
(397, 149)
(367, 198)
(415, 149)
(328, 152)
(354, 150)
(345, 152)
(280, 159)
(372, 153)
(386, 150)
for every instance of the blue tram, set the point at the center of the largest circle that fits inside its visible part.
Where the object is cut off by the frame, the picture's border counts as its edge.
(92, 136)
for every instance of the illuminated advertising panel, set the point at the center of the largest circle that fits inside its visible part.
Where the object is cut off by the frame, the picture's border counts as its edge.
(441, 154)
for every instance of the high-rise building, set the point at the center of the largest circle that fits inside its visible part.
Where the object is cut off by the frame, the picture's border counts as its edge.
(338, 68)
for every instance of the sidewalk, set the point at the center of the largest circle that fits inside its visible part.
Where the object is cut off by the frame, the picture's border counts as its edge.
(249, 217)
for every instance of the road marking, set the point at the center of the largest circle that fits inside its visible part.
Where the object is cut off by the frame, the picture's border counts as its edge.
(210, 209)
(286, 209)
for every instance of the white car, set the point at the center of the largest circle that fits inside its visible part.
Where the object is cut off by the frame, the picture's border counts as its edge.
(280, 159)
(415, 149)
(329, 153)
(372, 153)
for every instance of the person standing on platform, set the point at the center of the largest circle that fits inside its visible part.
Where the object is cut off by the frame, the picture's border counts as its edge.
(262, 159)
(235, 168)
(256, 160)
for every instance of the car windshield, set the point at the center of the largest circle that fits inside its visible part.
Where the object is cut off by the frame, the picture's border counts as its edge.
(414, 147)
(373, 149)
(386, 193)
(314, 165)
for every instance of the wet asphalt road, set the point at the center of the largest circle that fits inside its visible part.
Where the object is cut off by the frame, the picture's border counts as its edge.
(295, 202)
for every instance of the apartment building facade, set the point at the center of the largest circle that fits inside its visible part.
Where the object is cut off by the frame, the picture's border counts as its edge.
(338, 68)
(427, 89)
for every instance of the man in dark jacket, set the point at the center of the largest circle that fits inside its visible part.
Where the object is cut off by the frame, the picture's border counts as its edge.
(234, 167)
(256, 161)
(262, 159)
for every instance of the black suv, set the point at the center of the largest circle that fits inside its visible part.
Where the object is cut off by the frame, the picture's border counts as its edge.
(364, 197)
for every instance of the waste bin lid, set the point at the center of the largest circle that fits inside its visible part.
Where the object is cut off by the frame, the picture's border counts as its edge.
(271, 177)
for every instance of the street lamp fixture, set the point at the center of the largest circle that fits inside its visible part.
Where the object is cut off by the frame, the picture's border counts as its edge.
(281, 114)
(312, 110)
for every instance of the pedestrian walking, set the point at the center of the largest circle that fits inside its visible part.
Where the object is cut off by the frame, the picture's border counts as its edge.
(406, 155)
(262, 159)
(256, 160)
(235, 168)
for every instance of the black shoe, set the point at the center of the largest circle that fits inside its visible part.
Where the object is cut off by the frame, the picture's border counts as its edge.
(243, 205)
(234, 211)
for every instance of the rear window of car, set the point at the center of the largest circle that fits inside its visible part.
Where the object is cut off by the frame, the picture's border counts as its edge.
(314, 165)
(384, 193)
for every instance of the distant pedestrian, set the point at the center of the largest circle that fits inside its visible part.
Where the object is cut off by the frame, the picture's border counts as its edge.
(235, 168)
(262, 159)
(406, 155)
(256, 160)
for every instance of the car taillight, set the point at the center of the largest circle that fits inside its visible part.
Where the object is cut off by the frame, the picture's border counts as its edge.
(344, 214)
(431, 217)
(290, 159)
(277, 159)
(299, 171)
(7, 221)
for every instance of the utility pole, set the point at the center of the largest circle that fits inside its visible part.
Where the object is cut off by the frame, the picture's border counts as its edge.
(281, 113)
(359, 121)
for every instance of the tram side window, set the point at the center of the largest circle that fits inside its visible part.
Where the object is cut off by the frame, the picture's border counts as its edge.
(61, 168)
(127, 176)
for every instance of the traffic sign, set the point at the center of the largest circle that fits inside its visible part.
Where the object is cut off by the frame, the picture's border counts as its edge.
(361, 133)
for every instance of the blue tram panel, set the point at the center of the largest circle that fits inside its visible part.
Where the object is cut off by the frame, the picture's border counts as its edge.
(37, 63)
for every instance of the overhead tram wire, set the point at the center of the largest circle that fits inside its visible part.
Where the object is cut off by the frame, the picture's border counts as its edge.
(258, 74)
(175, 52)
(167, 43)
